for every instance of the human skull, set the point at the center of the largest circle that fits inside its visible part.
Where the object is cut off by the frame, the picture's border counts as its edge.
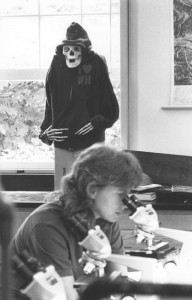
(73, 55)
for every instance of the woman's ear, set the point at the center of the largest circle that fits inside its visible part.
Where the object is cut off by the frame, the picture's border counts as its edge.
(91, 190)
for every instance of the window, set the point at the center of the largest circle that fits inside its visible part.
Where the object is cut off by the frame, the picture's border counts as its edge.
(30, 31)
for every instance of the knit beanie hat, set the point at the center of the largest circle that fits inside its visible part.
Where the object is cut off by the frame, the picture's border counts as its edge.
(76, 35)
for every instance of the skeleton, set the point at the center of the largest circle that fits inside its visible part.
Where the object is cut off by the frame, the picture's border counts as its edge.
(73, 55)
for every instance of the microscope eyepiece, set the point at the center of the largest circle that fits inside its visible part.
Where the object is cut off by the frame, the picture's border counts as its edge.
(79, 226)
(132, 203)
(22, 269)
(33, 264)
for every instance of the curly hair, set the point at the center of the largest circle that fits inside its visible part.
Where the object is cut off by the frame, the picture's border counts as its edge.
(103, 165)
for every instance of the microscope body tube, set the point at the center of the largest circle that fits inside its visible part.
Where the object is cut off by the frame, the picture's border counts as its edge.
(96, 241)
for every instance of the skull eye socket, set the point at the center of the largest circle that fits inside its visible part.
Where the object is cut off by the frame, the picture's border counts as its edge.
(66, 49)
(77, 49)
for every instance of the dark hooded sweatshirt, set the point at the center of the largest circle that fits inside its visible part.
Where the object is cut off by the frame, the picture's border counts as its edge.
(77, 96)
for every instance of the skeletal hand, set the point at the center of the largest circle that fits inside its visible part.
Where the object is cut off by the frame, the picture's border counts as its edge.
(57, 135)
(85, 129)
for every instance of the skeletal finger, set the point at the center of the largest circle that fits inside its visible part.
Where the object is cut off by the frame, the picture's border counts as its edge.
(58, 138)
(85, 130)
(59, 129)
(61, 137)
(62, 129)
(51, 134)
(56, 131)
(49, 127)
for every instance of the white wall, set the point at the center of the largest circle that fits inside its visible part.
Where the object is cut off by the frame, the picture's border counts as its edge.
(154, 129)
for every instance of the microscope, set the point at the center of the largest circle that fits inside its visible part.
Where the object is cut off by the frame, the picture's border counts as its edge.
(146, 222)
(39, 282)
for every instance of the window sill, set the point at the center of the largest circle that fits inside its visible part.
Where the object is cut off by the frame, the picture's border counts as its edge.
(176, 107)
(23, 167)
(26, 171)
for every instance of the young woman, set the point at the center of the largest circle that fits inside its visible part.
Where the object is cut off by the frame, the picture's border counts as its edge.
(100, 178)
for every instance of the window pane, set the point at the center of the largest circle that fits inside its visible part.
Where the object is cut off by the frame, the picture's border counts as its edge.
(60, 7)
(115, 6)
(115, 41)
(21, 113)
(19, 43)
(95, 6)
(18, 7)
(53, 32)
(113, 134)
(98, 29)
